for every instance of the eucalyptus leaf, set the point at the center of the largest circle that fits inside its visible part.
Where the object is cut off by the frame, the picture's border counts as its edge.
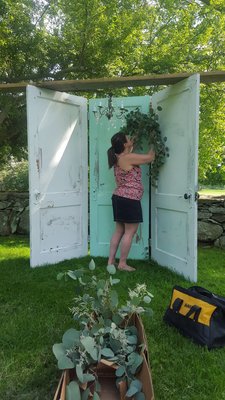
(135, 301)
(89, 345)
(108, 323)
(92, 265)
(132, 391)
(73, 391)
(100, 292)
(97, 386)
(65, 362)
(60, 275)
(101, 284)
(81, 282)
(88, 378)
(58, 350)
(117, 319)
(132, 339)
(85, 394)
(114, 299)
(75, 274)
(70, 338)
(79, 372)
(147, 299)
(111, 269)
(139, 396)
(132, 330)
(120, 371)
(115, 281)
(132, 358)
(149, 312)
(137, 362)
(108, 353)
(137, 383)
(130, 349)
(96, 396)
(115, 344)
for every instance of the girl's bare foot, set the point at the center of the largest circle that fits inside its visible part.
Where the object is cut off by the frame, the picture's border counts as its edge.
(125, 268)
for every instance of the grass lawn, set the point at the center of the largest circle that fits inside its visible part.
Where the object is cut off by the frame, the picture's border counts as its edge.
(34, 314)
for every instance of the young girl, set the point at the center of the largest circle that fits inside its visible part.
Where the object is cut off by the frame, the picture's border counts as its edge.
(126, 197)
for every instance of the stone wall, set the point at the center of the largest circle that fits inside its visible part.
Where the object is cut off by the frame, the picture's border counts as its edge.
(14, 217)
(211, 222)
(14, 213)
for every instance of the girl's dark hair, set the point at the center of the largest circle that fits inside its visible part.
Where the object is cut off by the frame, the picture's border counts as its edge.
(118, 140)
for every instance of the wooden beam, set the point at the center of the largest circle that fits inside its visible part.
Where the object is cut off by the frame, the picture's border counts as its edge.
(114, 83)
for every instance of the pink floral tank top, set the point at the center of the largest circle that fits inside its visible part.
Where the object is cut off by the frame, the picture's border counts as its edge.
(128, 183)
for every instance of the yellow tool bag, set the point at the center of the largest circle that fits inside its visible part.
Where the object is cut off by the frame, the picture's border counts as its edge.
(198, 314)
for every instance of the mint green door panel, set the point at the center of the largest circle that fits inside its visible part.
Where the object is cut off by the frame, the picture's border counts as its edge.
(102, 181)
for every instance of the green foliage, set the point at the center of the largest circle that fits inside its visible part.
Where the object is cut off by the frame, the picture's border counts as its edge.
(13, 133)
(104, 330)
(212, 138)
(145, 129)
(87, 39)
(14, 176)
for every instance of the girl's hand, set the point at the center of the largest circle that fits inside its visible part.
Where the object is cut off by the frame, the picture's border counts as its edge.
(152, 155)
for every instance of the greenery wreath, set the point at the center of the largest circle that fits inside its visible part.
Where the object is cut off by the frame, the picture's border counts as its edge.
(146, 130)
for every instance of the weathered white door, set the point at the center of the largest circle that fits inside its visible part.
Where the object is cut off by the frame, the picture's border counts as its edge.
(57, 142)
(102, 182)
(173, 203)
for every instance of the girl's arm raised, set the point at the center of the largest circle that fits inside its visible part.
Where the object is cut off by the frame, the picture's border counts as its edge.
(138, 159)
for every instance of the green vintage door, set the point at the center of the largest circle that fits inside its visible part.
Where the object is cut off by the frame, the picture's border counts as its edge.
(102, 181)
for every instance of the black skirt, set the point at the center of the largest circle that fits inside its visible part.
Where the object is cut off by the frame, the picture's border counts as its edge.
(126, 210)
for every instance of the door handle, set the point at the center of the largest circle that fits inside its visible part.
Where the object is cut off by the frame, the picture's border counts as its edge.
(197, 195)
(94, 191)
(37, 194)
(187, 196)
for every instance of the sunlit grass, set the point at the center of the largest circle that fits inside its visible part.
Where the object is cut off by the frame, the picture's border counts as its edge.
(212, 192)
(34, 313)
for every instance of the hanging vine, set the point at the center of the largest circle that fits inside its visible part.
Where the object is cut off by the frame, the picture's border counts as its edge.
(145, 129)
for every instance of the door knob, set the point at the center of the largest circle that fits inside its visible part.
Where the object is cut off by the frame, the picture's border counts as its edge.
(197, 195)
(187, 196)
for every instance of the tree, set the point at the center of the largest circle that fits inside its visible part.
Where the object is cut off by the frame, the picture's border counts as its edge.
(212, 138)
(42, 40)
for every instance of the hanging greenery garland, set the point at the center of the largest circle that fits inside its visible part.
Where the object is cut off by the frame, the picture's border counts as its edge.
(145, 129)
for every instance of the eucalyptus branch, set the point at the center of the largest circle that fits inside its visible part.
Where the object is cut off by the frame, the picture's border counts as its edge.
(104, 333)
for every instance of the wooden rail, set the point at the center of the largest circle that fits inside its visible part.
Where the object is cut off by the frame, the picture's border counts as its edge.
(114, 83)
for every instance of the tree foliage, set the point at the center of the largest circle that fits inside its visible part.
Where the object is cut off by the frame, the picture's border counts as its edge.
(63, 39)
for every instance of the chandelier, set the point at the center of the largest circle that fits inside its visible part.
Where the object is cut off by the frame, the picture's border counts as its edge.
(109, 111)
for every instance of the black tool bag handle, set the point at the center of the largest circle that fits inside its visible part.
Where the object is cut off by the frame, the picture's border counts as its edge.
(177, 305)
(194, 310)
(217, 300)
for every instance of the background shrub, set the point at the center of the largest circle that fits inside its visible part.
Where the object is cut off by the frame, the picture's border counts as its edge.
(14, 176)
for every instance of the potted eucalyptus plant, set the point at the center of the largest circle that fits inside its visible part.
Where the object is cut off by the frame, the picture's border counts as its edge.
(105, 338)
